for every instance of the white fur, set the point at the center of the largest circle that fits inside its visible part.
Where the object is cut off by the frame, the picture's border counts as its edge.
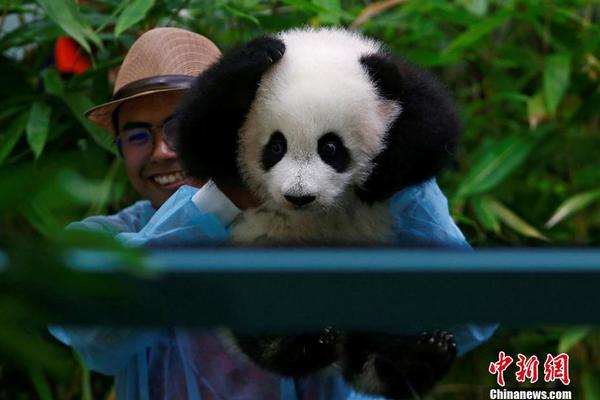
(318, 86)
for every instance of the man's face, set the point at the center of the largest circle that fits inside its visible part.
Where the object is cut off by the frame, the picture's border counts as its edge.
(152, 166)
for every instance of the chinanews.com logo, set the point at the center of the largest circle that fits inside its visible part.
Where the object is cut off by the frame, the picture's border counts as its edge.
(555, 368)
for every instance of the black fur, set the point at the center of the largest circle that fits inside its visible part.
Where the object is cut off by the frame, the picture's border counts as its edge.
(274, 150)
(407, 365)
(332, 151)
(213, 111)
(422, 140)
(292, 355)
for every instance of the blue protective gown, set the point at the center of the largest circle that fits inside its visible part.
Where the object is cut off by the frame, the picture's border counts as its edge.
(187, 365)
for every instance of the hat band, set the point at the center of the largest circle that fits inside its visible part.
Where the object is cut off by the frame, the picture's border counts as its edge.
(154, 83)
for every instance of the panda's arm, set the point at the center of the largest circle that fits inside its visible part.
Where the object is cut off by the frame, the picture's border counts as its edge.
(213, 111)
(422, 139)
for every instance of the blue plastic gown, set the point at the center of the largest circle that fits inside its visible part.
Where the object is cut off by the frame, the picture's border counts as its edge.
(187, 365)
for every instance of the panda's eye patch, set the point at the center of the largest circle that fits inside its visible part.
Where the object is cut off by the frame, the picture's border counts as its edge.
(274, 150)
(332, 151)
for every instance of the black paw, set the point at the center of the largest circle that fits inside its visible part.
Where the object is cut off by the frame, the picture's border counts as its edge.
(219, 102)
(439, 348)
(257, 56)
(296, 355)
(394, 366)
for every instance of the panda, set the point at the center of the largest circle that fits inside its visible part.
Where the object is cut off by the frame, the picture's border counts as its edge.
(323, 126)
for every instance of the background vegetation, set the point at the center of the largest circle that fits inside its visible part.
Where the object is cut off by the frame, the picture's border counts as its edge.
(526, 74)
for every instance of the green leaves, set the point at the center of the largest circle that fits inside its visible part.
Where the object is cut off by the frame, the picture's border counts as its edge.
(332, 11)
(132, 14)
(484, 210)
(476, 33)
(41, 384)
(515, 222)
(12, 134)
(37, 127)
(477, 7)
(53, 82)
(497, 163)
(571, 337)
(490, 213)
(572, 205)
(536, 110)
(86, 384)
(78, 103)
(557, 72)
(66, 15)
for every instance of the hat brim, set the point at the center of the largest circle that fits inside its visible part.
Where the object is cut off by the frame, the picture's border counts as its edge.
(102, 115)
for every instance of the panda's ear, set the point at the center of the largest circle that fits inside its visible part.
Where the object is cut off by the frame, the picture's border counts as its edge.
(213, 111)
(422, 139)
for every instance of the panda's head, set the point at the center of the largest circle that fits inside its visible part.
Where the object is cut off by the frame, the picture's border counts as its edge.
(316, 123)
(309, 117)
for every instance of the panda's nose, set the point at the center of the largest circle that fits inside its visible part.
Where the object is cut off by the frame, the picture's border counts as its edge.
(300, 201)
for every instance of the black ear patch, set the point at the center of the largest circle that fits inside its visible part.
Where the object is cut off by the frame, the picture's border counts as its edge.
(274, 150)
(333, 152)
(213, 111)
(422, 139)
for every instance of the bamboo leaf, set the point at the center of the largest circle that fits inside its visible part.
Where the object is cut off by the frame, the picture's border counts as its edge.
(37, 127)
(53, 82)
(477, 7)
(496, 164)
(515, 222)
(132, 14)
(571, 337)
(41, 218)
(374, 9)
(41, 384)
(305, 5)
(536, 110)
(332, 13)
(79, 104)
(86, 385)
(482, 206)
(65, 14)
(572, 205)
(557, 72)
(475, 33)
(11, 135)
(241, 15)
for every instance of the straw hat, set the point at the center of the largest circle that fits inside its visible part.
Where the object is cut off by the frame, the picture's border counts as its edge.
(161, 60)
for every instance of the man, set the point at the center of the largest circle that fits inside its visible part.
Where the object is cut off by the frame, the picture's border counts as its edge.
(177, 364)
(157, 70)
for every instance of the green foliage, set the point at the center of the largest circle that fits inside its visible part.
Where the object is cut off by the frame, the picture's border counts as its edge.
(37, 127)
(556, 79)
(525, 73)
(66, 15)
(132, 14)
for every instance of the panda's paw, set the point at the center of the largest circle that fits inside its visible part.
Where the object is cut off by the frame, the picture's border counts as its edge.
(396, 366)
(256, 56)
(439, 347)
(296, 355)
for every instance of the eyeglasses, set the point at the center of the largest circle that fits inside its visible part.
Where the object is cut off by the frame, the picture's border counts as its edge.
(138, 137)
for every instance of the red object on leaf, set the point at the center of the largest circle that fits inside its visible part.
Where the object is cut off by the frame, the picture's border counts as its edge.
(70, 57)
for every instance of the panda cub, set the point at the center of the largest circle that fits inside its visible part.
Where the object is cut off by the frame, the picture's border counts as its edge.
(323, 127)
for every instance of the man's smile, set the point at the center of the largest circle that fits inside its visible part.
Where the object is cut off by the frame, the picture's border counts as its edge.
(169, 177)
